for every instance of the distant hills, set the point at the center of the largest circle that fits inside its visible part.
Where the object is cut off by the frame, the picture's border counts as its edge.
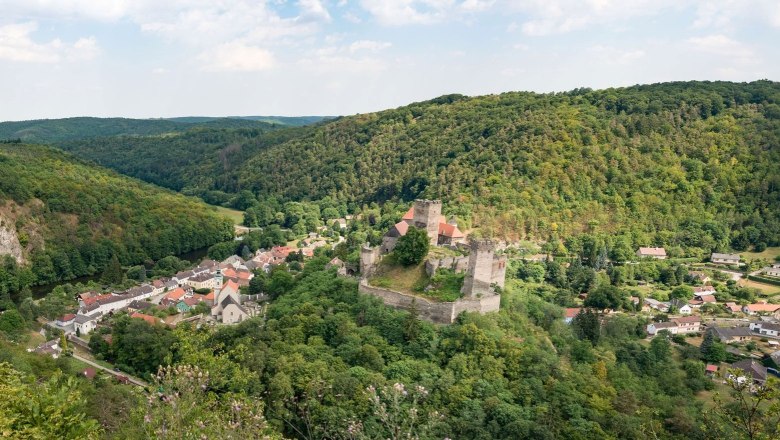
(292, 121)
(69, 217)
(67, 129)
(688, 163)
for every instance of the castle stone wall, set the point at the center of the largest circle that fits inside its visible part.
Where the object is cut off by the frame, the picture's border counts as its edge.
(457, 264)
(438, 312)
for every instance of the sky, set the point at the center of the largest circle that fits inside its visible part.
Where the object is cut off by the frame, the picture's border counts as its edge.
(165, 58)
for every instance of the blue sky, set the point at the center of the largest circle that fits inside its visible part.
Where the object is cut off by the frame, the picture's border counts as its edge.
(161, 58)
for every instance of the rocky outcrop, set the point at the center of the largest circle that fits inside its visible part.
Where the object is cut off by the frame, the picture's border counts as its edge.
(9, 241)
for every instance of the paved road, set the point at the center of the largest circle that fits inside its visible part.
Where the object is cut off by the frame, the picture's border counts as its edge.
(132, 380)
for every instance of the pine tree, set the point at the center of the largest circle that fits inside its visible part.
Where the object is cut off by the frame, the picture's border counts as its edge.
(113, 273)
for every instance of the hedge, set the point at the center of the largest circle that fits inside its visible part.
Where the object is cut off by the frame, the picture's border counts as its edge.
(765, 280)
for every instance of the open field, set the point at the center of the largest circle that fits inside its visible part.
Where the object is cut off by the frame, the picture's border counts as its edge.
(768, 254)
(237, 217)
(766, 289)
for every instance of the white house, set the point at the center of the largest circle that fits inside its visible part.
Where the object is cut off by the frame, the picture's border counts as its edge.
(682, 307)
(766, 328)
(675, 326)
(704, 290)
(203, 281)
(718, 258)
(657, 305)
(773, 271)
(84, 324)
(658, 253)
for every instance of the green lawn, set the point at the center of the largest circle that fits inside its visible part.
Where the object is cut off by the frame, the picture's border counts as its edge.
(237, 217)
(766, 289)
(413, 280)
(768, 254)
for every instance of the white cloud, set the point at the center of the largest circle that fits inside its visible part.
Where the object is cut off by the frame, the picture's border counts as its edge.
(722, 14)
(724, 47)
(612, 55)
(16, 44)
(548, 17)
(368, 45)
(313, 9)
(236, 57)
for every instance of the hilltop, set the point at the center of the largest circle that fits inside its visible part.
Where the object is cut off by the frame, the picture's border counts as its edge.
(63, 218)
(680, 163)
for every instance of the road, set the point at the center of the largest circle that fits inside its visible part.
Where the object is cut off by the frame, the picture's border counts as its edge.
(132, 380)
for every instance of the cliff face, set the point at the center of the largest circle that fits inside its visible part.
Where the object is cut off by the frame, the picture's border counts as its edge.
(9, 241)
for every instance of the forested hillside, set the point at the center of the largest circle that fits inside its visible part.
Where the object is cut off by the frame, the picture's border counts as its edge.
(691, 164)
(67, 218)
(59, 130)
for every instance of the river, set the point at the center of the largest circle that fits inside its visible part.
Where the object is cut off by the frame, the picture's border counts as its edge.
(39, 291)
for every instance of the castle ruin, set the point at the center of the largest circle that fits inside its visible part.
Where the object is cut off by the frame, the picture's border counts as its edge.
(485, 271)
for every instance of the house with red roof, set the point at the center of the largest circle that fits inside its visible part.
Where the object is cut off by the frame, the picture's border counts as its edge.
(570, 313)
(173, 297)
(148, 318)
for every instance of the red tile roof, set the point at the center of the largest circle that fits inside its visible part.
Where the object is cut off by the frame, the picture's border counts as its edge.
(572, 312)
(762, 307)
(449, 230)
(174, 295)
(66, 318)
(150, 319)
(409, 214)
(92, 300)
(712, 368)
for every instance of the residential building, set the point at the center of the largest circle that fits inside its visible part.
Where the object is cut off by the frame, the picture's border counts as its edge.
(570, 313)
(173, 297)
(676, 326)
(65, 320)
(760, 308)
(704, 290)
(752, 370)
(773, 271)
(84, 324)
(700, 276)
(151, 320)
(657, 305)
(658, 253)
(718, 258)
(204, 280)
(687, 324)
(729, 335)
(732, 307)
(681, 306)
(766, 328)
(51, 348)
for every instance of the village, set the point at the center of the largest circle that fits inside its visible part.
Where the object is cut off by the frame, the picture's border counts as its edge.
(216, 293)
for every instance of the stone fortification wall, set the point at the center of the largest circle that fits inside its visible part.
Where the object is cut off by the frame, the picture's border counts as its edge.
(458, 264)
(438, 312)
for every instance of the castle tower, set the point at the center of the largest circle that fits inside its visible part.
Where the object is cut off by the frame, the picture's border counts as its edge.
(369, 257)
(479, 273)
(426, 216)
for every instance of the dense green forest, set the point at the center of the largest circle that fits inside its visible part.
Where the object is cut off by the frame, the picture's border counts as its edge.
(690, 164)
(293, 121)
(329, 363)
(59, 130)
(70, 218)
